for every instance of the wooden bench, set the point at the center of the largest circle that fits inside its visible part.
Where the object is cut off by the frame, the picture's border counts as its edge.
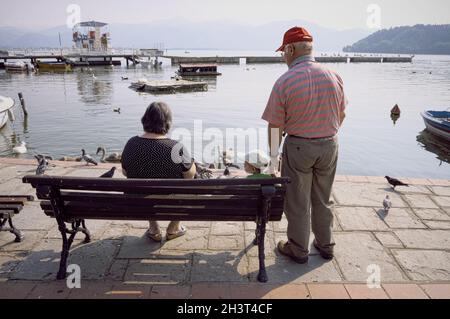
(11, 205)
(74, 199)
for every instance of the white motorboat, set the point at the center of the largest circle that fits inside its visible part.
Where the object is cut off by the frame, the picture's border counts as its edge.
(18, 66)
(15, 66)
(6, 104)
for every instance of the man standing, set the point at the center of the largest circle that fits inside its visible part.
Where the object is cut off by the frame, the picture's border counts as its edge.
(307, 103)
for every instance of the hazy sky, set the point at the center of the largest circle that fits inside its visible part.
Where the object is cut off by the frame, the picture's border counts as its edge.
(338, 14)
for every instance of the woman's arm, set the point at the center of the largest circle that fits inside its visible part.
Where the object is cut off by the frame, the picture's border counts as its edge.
(190, 174)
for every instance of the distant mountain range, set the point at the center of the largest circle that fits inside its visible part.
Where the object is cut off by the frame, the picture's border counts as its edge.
(418, 39)
(183, 34)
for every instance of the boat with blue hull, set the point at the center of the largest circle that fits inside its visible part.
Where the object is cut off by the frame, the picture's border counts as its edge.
(438, 123)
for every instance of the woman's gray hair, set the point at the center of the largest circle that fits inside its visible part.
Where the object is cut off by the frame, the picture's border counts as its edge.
(157, 118)
(306, 48)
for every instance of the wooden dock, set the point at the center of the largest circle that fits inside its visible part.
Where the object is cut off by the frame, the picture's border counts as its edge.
(169, 86)
(175, 60)
(81, 59)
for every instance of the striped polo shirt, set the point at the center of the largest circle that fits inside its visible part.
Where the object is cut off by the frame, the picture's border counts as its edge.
(307, 101)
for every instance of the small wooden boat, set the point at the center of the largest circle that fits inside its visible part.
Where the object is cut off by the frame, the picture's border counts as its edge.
(6, 104)
(54, 66)
(438, 123)
(198, 70)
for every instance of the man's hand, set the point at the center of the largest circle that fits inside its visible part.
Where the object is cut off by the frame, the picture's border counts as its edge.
(274, 165)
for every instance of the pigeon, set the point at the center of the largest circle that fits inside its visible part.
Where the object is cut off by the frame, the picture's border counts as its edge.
(87, 158)
(42, 164)
(109, 174)
(395, 182)
(387, 204)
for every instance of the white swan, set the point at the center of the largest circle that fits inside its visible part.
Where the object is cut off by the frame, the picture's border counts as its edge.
(21, 149)
(111, 158)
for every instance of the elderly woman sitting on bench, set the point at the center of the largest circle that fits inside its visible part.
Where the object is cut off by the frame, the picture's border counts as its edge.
(150, 156)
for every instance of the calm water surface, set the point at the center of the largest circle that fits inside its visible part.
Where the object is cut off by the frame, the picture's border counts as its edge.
(71, 111)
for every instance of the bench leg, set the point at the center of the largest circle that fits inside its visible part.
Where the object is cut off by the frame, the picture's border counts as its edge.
(256, 240)
(261, 233)
(12, 229)
(15, 231)
(86, 232)
(67, 243)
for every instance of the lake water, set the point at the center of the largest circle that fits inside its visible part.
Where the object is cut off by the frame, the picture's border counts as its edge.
(71, 111)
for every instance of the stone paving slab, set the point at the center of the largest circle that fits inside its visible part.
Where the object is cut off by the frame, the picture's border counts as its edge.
(437, 224)
(355, 252)
(364, 194)
(43, 262)
(282, 270)
(33, 218)
(398, 218)
(230, 242)
(388, 239)
(158, 271)
(424, 265)
(359, 218)
(420, 201)
(442, 201)
(364, 292)
(440, 190)
(219, 267)
(30, 241)
(431, 214)
(424, 239)
(404, 291)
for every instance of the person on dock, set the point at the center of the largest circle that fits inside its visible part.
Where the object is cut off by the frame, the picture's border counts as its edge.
(307, 103)
(154, 156)
(255, 164)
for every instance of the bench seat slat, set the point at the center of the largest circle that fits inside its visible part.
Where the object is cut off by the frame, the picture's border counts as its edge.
(167, 217)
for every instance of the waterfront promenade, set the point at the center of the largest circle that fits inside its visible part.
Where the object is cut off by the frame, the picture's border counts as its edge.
(409, 248)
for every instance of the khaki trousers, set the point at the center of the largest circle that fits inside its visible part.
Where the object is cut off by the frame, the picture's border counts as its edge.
(311, 165)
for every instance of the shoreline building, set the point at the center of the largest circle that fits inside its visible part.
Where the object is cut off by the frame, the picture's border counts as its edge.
(91, 36)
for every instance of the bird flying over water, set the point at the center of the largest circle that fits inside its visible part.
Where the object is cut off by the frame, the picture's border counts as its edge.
(387, 204)
(87, 158)
(109, 174)
(395, 182)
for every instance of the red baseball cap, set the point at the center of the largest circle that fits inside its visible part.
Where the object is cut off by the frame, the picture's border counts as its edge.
(295, 34)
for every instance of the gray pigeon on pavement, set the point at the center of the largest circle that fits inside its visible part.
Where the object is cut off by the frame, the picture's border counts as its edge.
(387, 204)
(87, 158)
(42, 165)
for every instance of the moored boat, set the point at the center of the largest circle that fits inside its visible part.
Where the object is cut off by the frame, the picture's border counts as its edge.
(16, 66)
(6, 104)
(438, 123)
(54, 66)
(198, 70)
